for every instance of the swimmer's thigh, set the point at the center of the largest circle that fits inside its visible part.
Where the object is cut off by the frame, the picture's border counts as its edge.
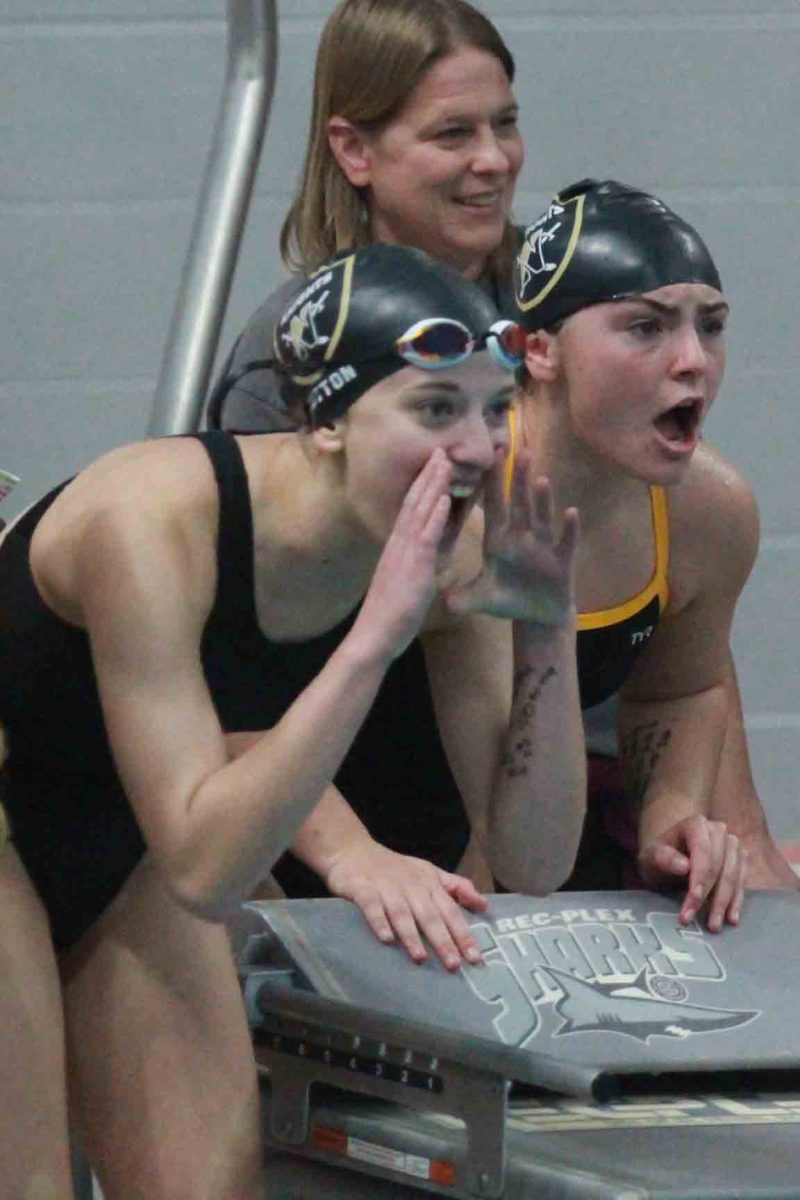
(162, 1080)
(34, 1149)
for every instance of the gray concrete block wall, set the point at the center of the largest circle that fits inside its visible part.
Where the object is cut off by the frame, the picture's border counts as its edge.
(107, 114)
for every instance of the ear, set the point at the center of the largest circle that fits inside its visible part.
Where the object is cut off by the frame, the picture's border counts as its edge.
(329, 439)
(350, 148)
(542, 355)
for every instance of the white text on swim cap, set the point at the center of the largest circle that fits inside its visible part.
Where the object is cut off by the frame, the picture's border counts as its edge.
(329, 386)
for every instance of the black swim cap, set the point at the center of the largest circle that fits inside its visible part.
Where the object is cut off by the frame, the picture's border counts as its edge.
(603, 241)
(339, 335)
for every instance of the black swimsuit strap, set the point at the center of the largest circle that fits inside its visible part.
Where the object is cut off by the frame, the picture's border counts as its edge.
(235, 569)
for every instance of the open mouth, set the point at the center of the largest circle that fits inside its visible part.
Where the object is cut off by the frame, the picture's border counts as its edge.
(462, 500)
(679, 425)
(459, 507)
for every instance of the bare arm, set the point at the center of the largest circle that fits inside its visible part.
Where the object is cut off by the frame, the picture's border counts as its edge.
(471, 665)
(215, 825)
(519, 760)
(398, 894)
(507, 691)
(674, 707)
(736, 802)
(670, 750)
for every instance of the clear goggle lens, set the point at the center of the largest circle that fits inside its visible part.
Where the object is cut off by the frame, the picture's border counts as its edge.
(438, 343)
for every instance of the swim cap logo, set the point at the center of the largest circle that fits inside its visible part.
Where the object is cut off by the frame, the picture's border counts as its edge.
(546, 251)
(310, 329)
(302, 335)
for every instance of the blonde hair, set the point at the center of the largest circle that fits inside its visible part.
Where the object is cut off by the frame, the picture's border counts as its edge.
(371, 56)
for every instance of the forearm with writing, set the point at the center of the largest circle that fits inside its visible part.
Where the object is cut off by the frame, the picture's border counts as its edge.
(670, 754)
(538, 800)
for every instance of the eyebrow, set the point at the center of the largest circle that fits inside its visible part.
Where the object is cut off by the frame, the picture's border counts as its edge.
(435, 385)
(438, 386)
(464, 115)
(671, 309)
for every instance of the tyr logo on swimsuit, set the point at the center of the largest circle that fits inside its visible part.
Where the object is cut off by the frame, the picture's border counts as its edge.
(600, 971)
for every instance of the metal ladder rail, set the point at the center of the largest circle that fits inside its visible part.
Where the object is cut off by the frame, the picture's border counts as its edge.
(220, 217)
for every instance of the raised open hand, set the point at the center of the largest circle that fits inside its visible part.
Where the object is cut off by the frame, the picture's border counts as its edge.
(528, 570)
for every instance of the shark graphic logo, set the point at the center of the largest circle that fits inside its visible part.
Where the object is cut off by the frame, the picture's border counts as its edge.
(633, 1010)
(550, 972)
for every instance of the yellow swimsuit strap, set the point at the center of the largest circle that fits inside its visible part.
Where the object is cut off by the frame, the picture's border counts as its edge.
(514, 441)
(659, 583)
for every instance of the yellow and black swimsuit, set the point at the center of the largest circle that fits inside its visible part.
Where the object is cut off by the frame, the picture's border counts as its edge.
(610, 641)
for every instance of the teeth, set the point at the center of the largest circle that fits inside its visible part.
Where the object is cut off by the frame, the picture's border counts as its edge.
(460, 492)
(480, 201)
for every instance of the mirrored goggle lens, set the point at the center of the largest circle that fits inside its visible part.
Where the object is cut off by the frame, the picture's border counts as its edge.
(505, 342)
(434, 344)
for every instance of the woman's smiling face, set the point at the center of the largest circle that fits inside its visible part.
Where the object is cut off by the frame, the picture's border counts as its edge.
(441, 174)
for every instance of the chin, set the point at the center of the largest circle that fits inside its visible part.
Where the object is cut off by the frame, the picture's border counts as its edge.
(474, 246)
(485, 240)
(649, 460)
(662, 474)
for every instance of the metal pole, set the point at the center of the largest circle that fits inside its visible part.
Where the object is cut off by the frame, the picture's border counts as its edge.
(220, 217)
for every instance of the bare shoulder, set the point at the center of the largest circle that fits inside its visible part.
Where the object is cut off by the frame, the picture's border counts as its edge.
(137, 505)
(714, 526)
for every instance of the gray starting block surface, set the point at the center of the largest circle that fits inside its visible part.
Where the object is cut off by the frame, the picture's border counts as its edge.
(659, 1061)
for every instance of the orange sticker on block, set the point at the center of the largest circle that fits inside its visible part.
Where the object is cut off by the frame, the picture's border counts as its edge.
(442, 1172)
(332, 1140)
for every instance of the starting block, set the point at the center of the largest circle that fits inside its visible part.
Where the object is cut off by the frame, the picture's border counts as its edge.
(601, 1050)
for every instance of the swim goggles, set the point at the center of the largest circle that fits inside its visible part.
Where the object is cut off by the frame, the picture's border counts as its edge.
(434, 344)
(437, 343)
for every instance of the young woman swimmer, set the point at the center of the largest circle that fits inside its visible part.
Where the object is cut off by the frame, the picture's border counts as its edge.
(624, 357)
(179, 592)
